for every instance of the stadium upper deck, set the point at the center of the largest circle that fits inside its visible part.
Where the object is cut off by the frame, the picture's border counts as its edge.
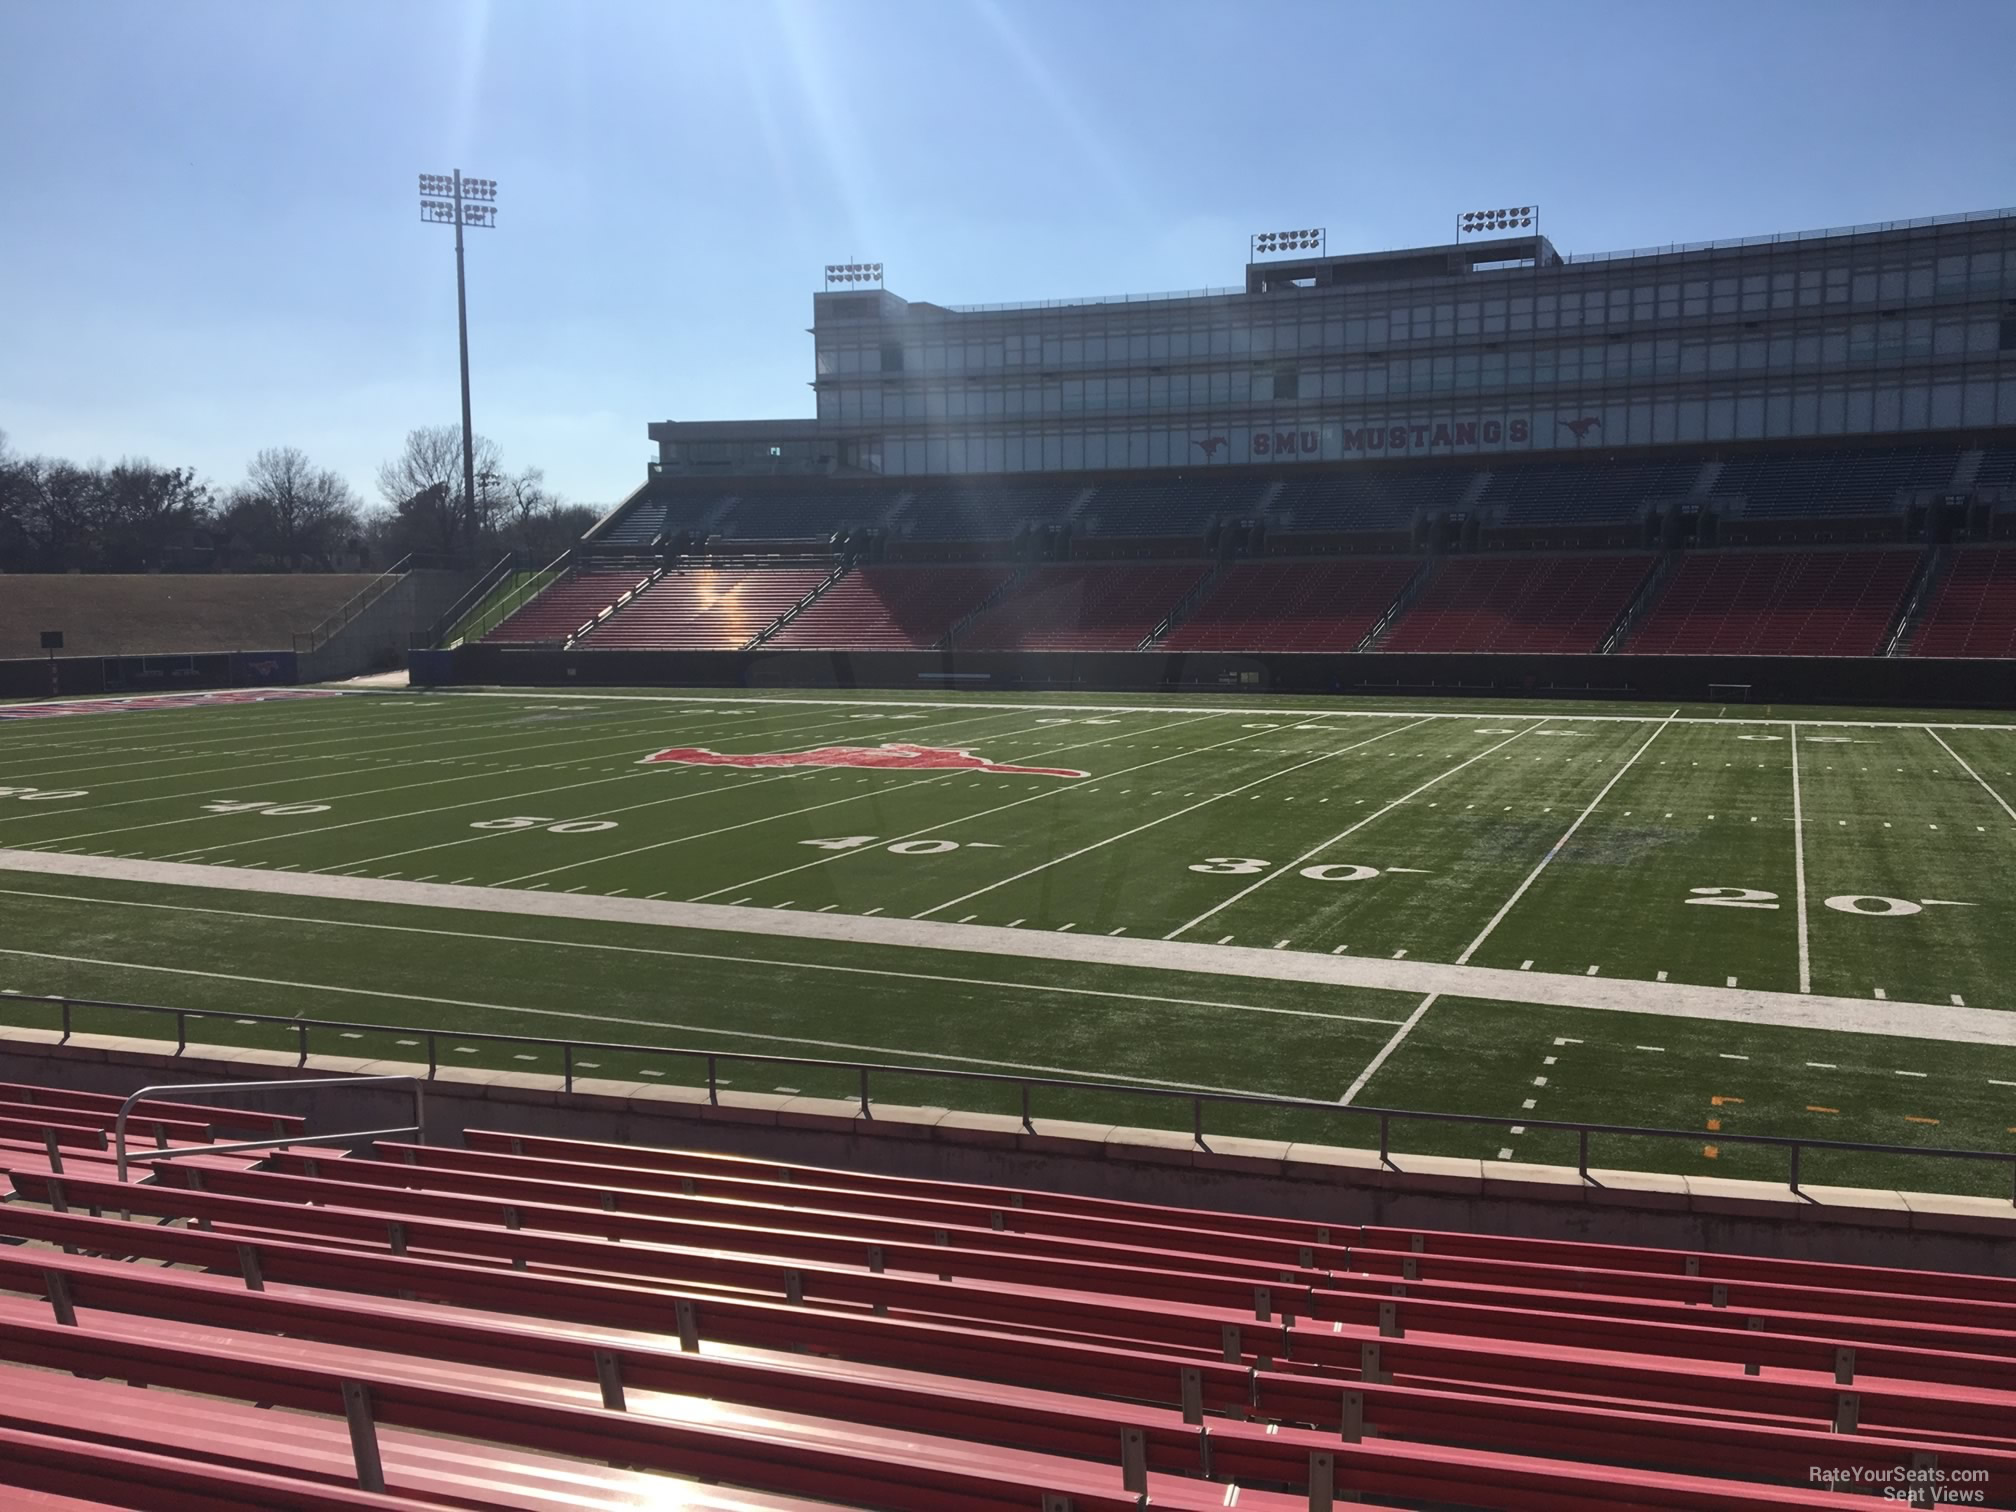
(1485, 347)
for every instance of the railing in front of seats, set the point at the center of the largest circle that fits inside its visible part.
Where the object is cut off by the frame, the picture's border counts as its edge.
(863, 1073)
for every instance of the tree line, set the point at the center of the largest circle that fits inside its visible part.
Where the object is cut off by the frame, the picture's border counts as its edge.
(285, 515)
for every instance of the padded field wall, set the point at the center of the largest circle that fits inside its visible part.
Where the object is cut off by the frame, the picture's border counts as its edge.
(1914, 682)
(86, 676)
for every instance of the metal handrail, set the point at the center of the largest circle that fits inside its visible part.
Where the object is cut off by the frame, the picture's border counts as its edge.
(417, 1128)
(341, 617)
(864, 1071)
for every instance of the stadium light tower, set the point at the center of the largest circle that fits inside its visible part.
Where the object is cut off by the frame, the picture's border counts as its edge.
(454, 200)
(1269, 243)
(853, 273)
(1475, 222)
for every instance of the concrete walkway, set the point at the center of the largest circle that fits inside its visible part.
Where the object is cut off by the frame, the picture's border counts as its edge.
(1906, 1020)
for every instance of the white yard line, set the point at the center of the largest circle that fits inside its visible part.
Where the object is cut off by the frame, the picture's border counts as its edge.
(883, 1052)
(1345, 833)
(814, 773)
(1568, 834)
(1929, 730)
(1388, 1048)
(1799, 866)
(929, 829)
(469, 738)
(1906, 1020)
(1166, 818)
(566, 762)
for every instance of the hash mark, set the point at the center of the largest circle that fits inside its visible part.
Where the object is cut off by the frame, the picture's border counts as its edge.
(1525, 965)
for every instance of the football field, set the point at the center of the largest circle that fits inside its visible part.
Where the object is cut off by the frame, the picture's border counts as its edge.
(1734, 920)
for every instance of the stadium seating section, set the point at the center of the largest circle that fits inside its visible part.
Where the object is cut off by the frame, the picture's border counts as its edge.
(807, 514)
(1082, 607)
(1371, 499)
(1777, 484)
(1293, 606)
(891, 608)
(1572, 493)
(1973, 609)
(705, 609)
(982, 511)
(639, 525)
(1179, 506)
(1520, 603)
(1777, 603)
(538, 1322)
(566, 606)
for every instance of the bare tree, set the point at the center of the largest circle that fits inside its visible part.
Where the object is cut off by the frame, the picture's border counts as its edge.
(292, 512)
(424, 485)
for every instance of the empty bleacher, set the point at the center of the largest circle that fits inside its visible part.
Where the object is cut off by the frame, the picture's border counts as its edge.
(804, 514)
(1368, 499)
(1777, 603)
(639, 525)
(1575, 493)
(892, 608)
(1973, 609)
(1520, 603)
(566, 606)
(1328, 605)
(705, 608)
(535, 1322)
(1777, 485)
(1081, 606)
(1179, 506)
(982, 511)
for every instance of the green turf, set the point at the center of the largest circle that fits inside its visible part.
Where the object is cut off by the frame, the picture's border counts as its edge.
(1355, 826)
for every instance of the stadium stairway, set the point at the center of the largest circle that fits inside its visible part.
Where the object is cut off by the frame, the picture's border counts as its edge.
(567, 605)
(1971, 610)
(1777, 603)
(536, 1321)
(1081, 606)
(1276, 605)
(1520, 603)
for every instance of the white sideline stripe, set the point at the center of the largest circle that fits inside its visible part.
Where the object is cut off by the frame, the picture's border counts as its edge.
(1129, 834)
(1799, 866)
(1246, 710)
(831, 968)
(891, 1051)
(1971, 772)
(1388, 1048)
(1343, 834)
(1567, 835)
(1904, 1020)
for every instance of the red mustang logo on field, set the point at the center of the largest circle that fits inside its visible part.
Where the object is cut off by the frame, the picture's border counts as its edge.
(907, 758)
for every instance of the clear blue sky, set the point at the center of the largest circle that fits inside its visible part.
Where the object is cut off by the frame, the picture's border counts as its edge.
(209, 236)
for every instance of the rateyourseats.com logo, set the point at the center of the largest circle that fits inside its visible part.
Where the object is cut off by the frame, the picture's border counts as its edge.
(1918, 1485)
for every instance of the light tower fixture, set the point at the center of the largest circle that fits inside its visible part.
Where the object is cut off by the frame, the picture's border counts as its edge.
(1271, 243)
(451, 199)
(1515, 218)
(853, 273)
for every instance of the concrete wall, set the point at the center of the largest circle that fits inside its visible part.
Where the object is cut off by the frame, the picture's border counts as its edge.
(1318, 1182)
(378, 638)
(1910, 681)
